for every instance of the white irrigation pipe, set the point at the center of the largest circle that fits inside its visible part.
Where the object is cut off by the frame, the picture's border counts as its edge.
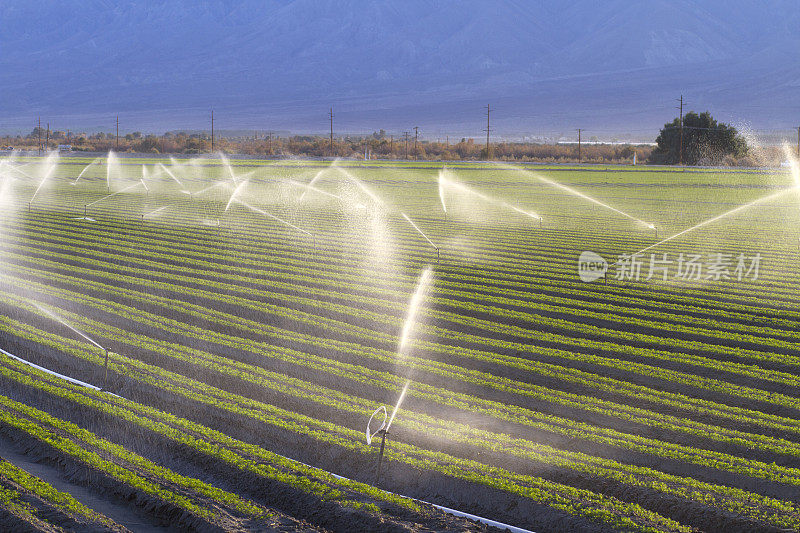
(448, 510)
(45, 370)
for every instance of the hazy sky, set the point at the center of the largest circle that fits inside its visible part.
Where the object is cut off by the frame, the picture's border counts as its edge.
(613, 67)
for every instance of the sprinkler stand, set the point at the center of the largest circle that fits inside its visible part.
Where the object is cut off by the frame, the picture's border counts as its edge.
(380, 455)
(105, 379)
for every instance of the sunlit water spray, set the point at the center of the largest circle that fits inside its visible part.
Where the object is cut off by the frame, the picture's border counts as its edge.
(733, 211)
(310, 186)
(156, 212)
(270, 215)
(112, 163)
(206, 189)
(579, 194)
(78, 332)
(170, 174)
(421, 233)
(235, 192)
(138, 183)
(95, 162)
(448, 182)
(441, 190)
(377, 199)
(423, 284)
(227, 165)
(49, 167)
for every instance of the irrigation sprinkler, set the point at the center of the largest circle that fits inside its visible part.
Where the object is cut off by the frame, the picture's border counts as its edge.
(383, 429)
(380, 431)
(105, 378)
(82, 334)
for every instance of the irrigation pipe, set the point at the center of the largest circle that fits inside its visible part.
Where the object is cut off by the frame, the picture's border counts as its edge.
(448, 510)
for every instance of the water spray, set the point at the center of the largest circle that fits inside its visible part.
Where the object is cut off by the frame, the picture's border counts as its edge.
(140, 182)
(84, 170)
(421, 233)
(110, 158)
(201, 191)
(723, 215)
(441, 192)
(270, 215)
(383, 429)
(153, 212)
(579, 194)
(79, 332)
(463, 188)
(411, 318)
(227, 165)
(236, 191)
(47, 174)
(170, 174)
(310, 186)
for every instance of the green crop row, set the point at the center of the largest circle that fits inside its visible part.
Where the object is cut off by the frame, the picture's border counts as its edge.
(562, 497)
(518, 388)
(60, 500)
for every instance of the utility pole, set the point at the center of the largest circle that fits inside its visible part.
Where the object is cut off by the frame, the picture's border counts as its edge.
(331, 115)
(798, 142)
(579, 145)
(269, 143)
(416, 136)
(47, 138)
(680, 149)
(391, 146)
(117, 142)
(39, 133)
(487, 132)
(406, 134)
(212, 131)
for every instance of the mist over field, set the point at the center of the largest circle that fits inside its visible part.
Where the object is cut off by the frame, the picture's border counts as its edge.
(613, 67)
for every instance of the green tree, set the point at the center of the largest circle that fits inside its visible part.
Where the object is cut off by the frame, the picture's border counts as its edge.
(704, 141)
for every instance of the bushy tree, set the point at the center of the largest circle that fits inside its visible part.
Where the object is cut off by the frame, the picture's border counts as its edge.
(705, 141)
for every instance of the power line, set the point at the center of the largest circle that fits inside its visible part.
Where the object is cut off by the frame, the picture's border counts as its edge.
(680, 157)
(331, 143)
(488, 129)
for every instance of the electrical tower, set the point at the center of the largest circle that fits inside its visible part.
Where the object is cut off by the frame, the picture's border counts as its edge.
(488, 129)
(405, 135)
(680, 148)
(331, 117)
(416, 136)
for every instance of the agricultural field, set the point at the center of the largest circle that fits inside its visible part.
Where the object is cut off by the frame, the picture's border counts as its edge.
(200, 344)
